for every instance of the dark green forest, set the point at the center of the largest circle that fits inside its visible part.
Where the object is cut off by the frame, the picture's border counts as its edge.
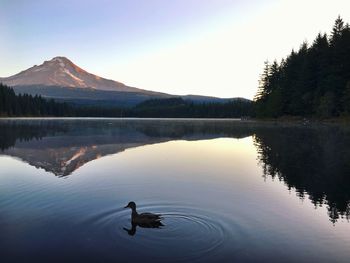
(311, 82)
(179, 108)
(12, 105)
(27, 105)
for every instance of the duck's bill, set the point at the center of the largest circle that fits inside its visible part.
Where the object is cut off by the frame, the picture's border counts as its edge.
(126, 206)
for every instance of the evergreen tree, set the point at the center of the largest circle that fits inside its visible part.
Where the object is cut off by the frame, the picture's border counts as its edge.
(310, 82)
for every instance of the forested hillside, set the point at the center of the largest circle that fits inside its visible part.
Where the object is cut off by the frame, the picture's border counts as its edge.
(27, 105)
(311, 82)
(12, 105)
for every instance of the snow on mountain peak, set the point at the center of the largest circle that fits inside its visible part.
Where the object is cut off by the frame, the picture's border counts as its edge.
(61, 59)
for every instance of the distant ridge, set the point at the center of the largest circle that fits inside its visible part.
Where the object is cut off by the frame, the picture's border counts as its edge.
(60, 79)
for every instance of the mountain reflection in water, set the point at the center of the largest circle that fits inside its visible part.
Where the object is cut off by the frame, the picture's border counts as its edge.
(61, 147)
(314, 160)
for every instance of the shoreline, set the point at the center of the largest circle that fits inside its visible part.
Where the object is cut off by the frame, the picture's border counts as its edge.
(282, 120)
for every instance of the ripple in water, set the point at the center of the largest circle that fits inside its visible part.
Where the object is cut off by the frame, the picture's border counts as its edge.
(188, 234)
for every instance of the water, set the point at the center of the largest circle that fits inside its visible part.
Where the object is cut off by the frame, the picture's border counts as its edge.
(228, 191)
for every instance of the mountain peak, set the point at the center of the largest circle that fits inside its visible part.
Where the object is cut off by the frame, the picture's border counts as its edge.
(61, 59)
(64, 64)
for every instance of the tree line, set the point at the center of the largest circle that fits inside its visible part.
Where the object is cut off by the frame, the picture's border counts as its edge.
(311, 82)
(180, 108)
(12, 105)
(28, 105)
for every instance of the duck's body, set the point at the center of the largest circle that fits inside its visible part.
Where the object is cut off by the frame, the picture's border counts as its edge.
(144, 218)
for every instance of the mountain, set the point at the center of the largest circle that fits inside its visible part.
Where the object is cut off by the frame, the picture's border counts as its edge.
(60, 71)
(60, 79)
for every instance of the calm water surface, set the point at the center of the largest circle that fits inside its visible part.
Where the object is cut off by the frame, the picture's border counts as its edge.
(228, 191)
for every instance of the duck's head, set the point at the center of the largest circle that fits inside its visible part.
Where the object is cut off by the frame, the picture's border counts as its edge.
(131, 205)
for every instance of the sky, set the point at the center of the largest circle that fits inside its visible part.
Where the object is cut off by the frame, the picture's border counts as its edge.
(203, 47)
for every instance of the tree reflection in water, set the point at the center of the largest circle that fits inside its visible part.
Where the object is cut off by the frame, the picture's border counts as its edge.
(314, 160)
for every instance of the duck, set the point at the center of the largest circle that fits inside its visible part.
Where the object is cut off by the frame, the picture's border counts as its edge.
(147, 220)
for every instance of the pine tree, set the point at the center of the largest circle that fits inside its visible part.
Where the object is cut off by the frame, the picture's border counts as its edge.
(337, 30)
(263, 83)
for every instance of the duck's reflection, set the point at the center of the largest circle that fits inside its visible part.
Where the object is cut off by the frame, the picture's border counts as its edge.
(132, 231)
(144, 220)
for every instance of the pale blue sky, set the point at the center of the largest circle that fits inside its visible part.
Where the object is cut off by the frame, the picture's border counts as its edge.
(209, 47)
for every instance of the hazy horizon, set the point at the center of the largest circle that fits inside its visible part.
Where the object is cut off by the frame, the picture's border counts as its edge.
(214, 48)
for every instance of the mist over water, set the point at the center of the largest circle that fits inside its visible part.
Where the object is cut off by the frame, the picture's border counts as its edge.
(227, 191)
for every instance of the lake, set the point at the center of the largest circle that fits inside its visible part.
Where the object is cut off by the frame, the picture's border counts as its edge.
(228, 191)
